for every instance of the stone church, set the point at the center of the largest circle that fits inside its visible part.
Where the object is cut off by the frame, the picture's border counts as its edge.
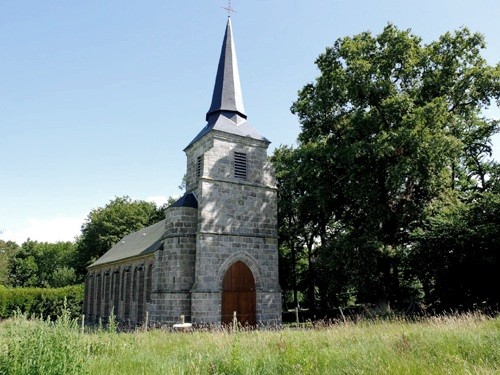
(216, 251)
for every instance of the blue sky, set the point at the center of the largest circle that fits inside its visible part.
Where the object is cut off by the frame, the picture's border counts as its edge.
(99, 98)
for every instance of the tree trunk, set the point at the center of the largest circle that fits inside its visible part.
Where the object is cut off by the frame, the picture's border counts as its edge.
(310, 277)
(293, 250)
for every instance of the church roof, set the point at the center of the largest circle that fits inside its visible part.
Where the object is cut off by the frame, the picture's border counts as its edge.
(227, 113)
(227, 94)
(226, 125)
(142, 242)
(187, 200)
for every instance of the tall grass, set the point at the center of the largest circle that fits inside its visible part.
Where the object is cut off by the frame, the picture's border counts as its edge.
(466, 344)
(42, 346)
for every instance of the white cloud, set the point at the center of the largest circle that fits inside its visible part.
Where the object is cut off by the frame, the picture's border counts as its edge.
(158, 200)
(45, 230)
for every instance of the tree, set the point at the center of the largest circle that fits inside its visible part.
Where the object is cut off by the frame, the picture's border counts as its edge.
(7, 251)
(387, 127)
(303, 218)
(291, 229)
(456, 254)
(24, 271)
(63, 276)
(39, 264)
(105, 226)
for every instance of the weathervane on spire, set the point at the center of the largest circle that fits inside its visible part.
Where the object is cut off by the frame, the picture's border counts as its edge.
(229, 8)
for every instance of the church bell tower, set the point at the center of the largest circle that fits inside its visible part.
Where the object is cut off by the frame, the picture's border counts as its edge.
(229, 174)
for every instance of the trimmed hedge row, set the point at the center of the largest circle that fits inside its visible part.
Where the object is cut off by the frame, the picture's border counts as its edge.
(41, 302)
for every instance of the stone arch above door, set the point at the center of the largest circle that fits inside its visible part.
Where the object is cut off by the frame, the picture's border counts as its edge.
(249, 262)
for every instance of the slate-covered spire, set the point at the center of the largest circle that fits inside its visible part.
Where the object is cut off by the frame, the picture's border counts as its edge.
(227, 98)
(227, 113)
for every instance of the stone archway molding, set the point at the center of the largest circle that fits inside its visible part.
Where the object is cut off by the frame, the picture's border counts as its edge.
(249, 261)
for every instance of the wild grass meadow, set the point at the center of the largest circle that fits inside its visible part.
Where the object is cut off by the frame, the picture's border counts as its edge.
(465, 344)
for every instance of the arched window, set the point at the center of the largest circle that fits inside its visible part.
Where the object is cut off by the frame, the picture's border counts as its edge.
(122, 290)
(107, 293)
(149, 283)
(98, 296)
(134, 285)
(116, 291)
(140, 295)
(128, 292)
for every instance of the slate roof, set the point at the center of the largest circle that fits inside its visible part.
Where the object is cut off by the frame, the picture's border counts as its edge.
(222, 123)
(142, 242)
(187, 200)
(227, 113)
(227, 94)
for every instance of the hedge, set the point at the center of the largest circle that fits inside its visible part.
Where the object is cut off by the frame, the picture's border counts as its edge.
(41, 302)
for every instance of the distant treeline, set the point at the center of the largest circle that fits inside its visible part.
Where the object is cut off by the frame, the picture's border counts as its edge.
(38, 264)
(36, 278)
(54, 265)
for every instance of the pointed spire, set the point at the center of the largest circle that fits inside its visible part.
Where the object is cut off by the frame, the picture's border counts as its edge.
(227, 98)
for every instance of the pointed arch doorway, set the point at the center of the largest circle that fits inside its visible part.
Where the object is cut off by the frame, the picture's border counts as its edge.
(238, 294)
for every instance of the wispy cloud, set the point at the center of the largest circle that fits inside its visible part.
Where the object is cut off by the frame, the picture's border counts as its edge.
(45, 230)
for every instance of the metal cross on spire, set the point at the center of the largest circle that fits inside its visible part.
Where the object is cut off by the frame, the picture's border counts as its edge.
(229, 8)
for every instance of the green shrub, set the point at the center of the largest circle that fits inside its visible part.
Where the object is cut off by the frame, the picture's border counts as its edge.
(41, 302)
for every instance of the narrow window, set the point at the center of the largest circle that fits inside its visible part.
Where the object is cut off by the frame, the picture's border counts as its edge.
(199, 166)
(107, 294)
(140, 296)
(149, 283)
(128, 292)
(116, 291)
(134, 285)
(122, 297)
(98, 297)
(240, 165)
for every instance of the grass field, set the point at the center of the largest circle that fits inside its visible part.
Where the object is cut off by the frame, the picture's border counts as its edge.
(466, 344)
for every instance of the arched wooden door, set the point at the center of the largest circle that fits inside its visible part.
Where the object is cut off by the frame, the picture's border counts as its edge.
(238, 294)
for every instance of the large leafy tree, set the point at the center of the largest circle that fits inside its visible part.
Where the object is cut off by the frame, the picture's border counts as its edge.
(105, 226)
(8, 250)
(389, 125)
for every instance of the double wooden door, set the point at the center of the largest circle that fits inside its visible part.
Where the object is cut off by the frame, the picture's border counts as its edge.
(238, 294)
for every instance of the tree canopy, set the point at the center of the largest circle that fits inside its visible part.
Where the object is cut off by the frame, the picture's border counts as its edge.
(8, 250)
(37, 264)
(390, 127)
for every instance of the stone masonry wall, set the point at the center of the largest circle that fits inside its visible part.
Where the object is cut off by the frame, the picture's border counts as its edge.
(107, 290)
(215, 254)
(174, 272)
(199, 149)
(237, 222)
